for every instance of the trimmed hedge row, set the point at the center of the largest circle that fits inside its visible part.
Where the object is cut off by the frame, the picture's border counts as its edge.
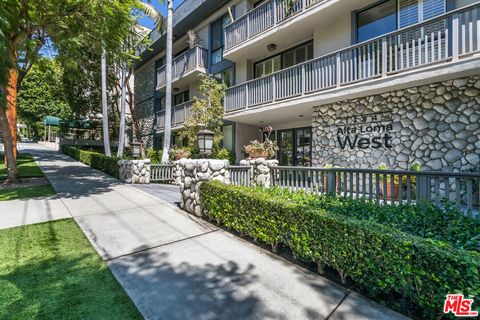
(93, 159)
(378, 257)
(428, 221)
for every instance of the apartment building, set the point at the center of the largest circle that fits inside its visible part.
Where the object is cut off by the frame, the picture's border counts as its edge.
(351, 83)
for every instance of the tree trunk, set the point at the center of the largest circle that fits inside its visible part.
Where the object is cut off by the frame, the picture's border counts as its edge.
(131, 105)
(106, 138)
(8, 144)
(168, 71)
(121, 134)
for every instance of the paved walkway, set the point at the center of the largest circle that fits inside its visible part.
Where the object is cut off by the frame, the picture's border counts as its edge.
(175, 266)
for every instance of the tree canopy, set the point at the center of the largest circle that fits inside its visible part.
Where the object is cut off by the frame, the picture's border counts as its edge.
(42, 94)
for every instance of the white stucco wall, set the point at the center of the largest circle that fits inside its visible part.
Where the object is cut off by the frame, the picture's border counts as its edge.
(334, 36)
(245, 133)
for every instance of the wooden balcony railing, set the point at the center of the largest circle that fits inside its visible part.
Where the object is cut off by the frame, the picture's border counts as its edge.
(262, 18)
(179, 114)
(385, 186)
(449, 37)
(194, 58)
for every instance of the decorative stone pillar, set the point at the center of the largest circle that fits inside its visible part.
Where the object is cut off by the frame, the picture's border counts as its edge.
(134, 171)
(261, 175)
(190, 174)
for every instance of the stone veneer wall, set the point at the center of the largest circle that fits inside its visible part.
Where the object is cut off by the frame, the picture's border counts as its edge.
(144, 101)
(437, 125)
(190, 174)
(261, 175)
(134, 171)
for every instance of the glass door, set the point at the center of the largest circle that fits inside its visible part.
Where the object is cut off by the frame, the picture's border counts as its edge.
(285, 147)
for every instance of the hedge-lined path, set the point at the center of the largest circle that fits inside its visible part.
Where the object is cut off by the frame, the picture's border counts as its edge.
(174, 266)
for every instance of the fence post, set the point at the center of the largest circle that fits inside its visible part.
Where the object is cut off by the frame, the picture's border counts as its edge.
(423, 188)
(338, 66)
(455, 37)
(331, 182)
(384, 57)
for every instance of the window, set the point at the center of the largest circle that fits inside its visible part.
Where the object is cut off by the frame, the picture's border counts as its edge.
(181, 98)
(159, 104)
(226, 76)
(178, 142)
(414, 11)
(283, 60)
(218, 40)
(295, 147)
(377, 20)
(268, 66)
(228, 137)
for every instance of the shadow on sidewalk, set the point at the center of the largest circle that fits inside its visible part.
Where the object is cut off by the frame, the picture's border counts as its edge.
(184, 291)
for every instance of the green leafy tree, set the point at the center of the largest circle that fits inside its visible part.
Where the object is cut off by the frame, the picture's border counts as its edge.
(207, 112)
(69, 25)
(42, 94)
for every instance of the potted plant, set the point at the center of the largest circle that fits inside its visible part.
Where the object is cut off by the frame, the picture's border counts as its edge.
(181, 153)
(266, 149)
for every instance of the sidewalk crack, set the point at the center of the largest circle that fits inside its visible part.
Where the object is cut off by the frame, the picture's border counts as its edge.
(338, 305)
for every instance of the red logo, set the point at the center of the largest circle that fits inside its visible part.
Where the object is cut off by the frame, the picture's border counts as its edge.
(459, 306)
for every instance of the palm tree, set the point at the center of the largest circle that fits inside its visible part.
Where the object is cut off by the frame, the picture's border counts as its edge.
(106, 136)
(131, 45)
(168, 93)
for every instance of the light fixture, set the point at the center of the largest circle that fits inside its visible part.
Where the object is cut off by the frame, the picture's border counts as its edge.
(205, 142)
(300, 115)
(272, 47)
(135, 149)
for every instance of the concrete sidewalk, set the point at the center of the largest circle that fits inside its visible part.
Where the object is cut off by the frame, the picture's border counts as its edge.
(175, 266)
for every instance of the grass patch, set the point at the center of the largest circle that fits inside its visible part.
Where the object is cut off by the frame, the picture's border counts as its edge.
(50, 271)
(26, 192)
(26, 167)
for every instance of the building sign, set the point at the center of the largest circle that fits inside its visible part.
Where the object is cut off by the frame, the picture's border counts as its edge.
(365, 131)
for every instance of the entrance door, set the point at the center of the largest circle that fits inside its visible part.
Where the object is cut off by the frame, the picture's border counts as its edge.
(295, 147)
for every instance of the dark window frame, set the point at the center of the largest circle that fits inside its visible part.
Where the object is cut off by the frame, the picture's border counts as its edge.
(294, 146)
(281, 54)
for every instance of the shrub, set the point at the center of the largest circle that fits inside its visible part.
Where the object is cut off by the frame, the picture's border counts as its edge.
(378, 257)
(428, 221)
(93, 159)
(225, 154)
(154, 155)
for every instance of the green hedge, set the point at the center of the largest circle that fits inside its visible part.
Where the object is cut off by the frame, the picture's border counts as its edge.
(428, 221)
(93, 159)
(380, 258)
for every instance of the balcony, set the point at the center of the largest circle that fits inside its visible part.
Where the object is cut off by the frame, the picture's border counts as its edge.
(444, 39)
(262, 18)
(179, 114)
(185, 68)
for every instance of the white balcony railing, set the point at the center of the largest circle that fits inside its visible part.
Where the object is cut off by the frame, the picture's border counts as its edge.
(196, 57)
(448, 37)
(179, 114)
(263, 18)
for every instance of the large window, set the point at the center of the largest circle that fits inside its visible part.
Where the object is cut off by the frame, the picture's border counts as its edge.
(283, 60)
(181, 98)
(218, 40)
(226, 76)
(388, 16)
(377, 20)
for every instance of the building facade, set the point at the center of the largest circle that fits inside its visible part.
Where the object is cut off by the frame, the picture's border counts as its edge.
(344, 83)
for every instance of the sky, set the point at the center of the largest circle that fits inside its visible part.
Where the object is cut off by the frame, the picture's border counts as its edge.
(146, 22)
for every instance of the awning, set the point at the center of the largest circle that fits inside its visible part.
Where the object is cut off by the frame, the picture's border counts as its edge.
(51, 121)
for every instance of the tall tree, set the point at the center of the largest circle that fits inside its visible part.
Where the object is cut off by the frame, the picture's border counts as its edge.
(207, 112)
(136, 39)
(168, 93)
(27, 25)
